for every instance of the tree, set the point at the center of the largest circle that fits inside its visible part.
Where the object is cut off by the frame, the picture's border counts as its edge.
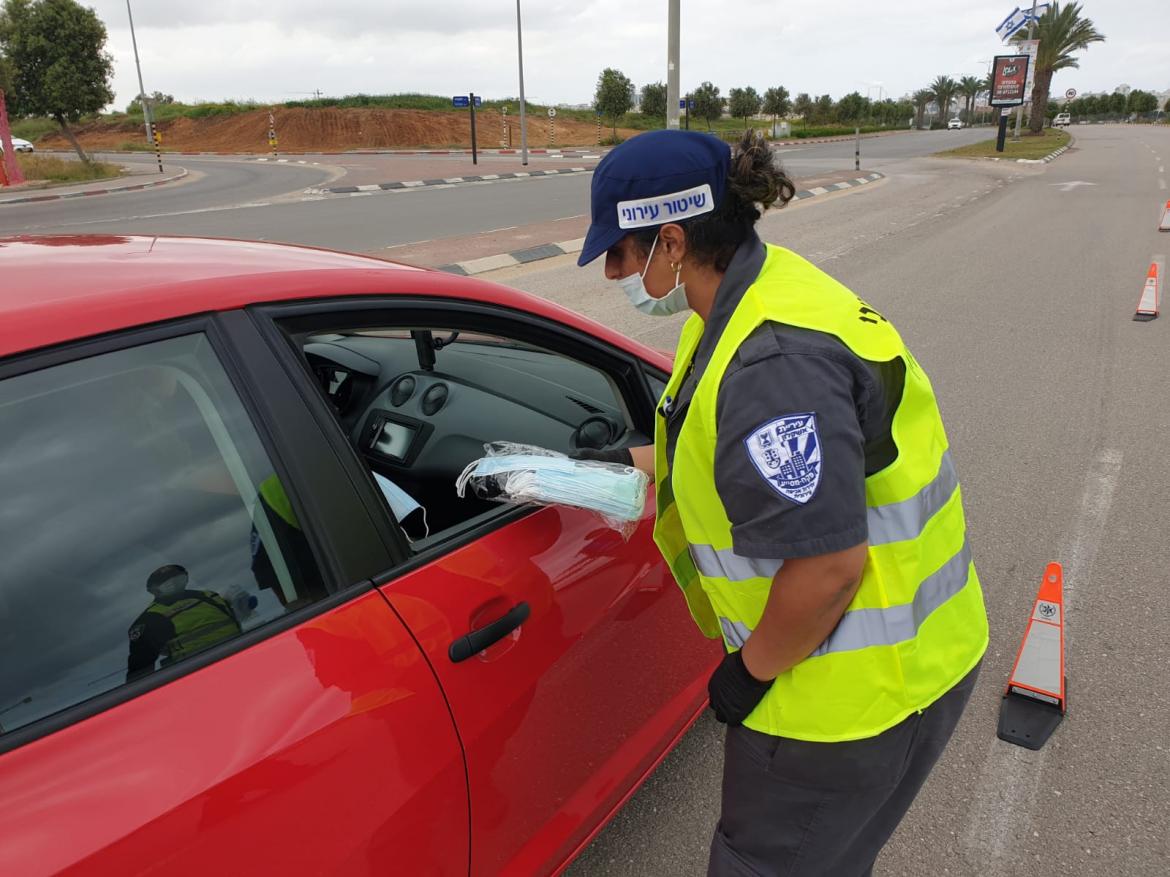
(654, 100)
(921, 98)
(743, 103)
(56, 49)
(943, 90)
(708, 103)
(823, 109)
(1141, 102)
(852, 107)
(776, 102)
(803, 106)
(969, 87)
(1117, 102)
(1061, 31)
(614, 96)
(1166, 108)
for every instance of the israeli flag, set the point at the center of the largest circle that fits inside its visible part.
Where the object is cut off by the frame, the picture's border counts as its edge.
(1015, 20)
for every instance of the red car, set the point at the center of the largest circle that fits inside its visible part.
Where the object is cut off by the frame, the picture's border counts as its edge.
(231, 641)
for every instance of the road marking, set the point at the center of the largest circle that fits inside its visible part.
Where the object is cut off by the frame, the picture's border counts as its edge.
(1011, 776)
(1071, 185)
(1162, 184)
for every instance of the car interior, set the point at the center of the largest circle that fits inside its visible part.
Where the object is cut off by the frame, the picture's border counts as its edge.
(420, 404)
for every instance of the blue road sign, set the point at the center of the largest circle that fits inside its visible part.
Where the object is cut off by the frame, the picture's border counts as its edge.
(682, 104)
(461, 100)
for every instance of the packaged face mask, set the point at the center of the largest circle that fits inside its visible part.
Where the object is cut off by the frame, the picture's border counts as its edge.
(524, 474)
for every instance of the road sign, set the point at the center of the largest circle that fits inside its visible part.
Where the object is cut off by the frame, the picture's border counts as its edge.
(1031, 48)
(1071, 93)
(1009, 79)
(552, 113)
(462, 101)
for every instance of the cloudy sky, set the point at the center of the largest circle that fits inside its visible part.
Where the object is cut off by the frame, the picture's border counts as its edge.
(283, 49)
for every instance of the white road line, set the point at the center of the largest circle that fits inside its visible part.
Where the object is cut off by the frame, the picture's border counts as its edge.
(1010, 779)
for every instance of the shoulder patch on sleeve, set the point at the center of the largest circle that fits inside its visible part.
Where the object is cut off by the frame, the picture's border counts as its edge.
(787, 453)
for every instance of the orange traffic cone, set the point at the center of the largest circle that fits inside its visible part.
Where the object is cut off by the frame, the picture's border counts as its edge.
(1164, 225)
(1034, 702)
(1147, 308)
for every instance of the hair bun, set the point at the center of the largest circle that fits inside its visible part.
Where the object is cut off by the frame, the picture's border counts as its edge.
(756, 178)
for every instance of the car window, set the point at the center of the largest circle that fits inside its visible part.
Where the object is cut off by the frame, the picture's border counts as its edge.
(142, 523)
(419, 404)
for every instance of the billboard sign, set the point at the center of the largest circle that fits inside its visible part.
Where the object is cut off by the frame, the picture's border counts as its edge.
(1009, 80)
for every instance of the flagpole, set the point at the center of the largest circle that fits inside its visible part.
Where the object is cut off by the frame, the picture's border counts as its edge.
(1020, 108)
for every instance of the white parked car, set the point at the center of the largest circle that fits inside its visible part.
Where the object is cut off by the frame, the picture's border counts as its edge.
(955, 124)
(1061, 120)
(19, 145)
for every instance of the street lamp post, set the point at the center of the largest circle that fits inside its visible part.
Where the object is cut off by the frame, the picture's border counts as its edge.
(672, 40)
(520, 53)
(142, 88)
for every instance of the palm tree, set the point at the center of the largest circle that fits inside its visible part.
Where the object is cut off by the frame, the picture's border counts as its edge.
(921, 99)
(969, 87)
(943, 89)
(1061, 31)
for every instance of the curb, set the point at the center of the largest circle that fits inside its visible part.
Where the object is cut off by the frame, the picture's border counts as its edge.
(1050, 157)
(88, 192)
(447, 181)
(574, 151)
(569, 248)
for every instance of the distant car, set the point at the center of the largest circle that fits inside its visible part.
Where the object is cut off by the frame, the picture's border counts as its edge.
(954, 124)
(1062, 120)
(19, 145)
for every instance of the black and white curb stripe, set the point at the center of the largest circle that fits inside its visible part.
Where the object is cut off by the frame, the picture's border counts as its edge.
(445, 181)
(29, 199)
(1049, 157)
(571, 248)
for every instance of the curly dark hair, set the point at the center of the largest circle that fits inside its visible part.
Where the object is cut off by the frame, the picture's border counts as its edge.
(755, 183)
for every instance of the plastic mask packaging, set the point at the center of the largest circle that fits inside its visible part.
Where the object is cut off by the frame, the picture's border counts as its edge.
(524, 474)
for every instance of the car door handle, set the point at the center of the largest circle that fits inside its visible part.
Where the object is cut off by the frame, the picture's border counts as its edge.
(490, 634)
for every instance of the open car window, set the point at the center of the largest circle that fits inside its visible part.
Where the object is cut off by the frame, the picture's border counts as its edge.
(418, 405)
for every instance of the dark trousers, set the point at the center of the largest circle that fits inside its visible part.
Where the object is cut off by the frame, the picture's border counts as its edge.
(798, 809)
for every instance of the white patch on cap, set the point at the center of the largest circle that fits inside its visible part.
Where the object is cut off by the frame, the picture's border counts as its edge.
(665, 208)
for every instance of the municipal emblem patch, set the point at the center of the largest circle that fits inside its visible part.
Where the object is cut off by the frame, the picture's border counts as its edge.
(787, 453)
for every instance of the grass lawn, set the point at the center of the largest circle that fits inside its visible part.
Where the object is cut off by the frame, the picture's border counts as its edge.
(58, 170)
(1028, 147)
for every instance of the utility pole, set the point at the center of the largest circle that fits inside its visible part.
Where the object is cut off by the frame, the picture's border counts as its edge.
(1020, 108)
(523, 127)
(141, 88)
(672, 95)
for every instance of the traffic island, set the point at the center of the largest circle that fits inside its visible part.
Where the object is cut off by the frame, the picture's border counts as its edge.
(1043, 147)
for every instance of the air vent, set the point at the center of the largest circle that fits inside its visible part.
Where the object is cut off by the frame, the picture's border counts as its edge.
(592, 409)
(434, 399)
(402, 390)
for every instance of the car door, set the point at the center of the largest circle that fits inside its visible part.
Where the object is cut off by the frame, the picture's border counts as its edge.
(199, 676)
(595, 667)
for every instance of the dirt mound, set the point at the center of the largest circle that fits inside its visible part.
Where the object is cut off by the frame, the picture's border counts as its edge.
(303, 130)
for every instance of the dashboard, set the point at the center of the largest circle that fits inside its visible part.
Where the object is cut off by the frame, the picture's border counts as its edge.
(422, 426)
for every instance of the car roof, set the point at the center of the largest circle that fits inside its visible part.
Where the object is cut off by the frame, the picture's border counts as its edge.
(60, 288)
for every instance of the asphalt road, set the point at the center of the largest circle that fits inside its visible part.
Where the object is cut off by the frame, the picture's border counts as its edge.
(1015, 287)
(241, 198)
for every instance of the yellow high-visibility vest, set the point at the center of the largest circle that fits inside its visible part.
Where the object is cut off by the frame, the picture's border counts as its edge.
(917, 624)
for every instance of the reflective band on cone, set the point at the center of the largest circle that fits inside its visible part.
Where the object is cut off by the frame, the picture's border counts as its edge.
(1034, 701)
(1147, 308)
(1164, 225)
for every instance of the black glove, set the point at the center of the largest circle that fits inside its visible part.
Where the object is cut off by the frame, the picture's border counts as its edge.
(734, 692)
(621, 456)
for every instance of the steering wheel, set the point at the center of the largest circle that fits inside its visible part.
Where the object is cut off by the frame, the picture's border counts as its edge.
(595, 432)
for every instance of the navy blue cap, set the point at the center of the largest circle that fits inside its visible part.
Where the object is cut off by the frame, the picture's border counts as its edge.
(652, 179)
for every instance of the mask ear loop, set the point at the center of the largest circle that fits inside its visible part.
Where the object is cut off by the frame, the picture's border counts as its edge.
(648, 258)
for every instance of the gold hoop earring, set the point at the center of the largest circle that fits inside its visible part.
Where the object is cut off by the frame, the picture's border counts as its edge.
(676, 267)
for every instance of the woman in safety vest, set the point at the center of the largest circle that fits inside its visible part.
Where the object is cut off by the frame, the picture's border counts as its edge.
(808, 507)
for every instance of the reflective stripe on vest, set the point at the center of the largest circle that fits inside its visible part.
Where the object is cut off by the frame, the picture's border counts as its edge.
(916, 624)
(904, 520)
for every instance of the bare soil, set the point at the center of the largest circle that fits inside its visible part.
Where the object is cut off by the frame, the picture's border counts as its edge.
(334, 129)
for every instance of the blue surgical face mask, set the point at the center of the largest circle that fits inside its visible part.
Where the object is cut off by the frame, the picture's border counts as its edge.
(634, 286)
(401, 503)
(616, 493)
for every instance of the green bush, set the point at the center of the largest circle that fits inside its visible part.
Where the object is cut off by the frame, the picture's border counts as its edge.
(33, 129)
